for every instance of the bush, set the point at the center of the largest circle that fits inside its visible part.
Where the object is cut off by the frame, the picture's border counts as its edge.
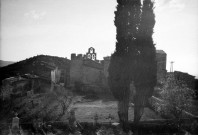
(175, 97)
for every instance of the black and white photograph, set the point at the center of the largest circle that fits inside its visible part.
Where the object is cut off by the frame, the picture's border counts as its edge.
(98, 67)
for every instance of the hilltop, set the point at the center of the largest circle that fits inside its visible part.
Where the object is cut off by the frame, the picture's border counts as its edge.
(32, 65)
(5, 63)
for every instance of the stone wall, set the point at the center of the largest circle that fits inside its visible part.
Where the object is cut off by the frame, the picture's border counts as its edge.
(92, 64)
(76, 73)
(91, 72)
(92, 75)
(161, 65)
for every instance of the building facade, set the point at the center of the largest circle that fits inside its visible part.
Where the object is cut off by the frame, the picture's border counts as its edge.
(89, 71)
(161, 65)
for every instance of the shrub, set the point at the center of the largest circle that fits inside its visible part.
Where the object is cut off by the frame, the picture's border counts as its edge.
(176, 98)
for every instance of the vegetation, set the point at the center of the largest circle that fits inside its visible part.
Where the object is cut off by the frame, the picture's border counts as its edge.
(64, 99)
(177, 98)
(146, 68)
(122, 65)
(48, 106)
(196, 88)
(134, 57)
(32, 65)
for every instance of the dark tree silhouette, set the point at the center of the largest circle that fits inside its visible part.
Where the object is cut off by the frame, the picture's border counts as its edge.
(127, 19)
(134, 57)
(146, 68)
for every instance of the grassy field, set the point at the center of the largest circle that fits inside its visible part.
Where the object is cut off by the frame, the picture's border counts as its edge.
(86, 111)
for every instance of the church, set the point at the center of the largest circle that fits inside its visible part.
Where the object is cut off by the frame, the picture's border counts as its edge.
(91, 74)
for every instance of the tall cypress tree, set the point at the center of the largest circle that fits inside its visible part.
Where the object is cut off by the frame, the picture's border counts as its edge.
(134, 57)
(121, 66)
(146, 68)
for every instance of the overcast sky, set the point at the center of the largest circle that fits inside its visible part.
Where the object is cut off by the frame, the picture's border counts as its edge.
(62, 27)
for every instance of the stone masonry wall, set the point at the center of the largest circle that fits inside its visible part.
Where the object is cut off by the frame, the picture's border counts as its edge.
(161, 65)
(76, 73)
(92, 76)
(91, 72)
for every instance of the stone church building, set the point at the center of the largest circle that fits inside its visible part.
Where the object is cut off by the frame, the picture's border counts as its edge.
(88, 71)
(92, 73)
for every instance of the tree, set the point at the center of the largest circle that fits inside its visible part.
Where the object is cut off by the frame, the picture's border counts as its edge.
(177, 98)
(52, 105)
(119, 85)
(64, 98)
(121, 66)
(41, 106)
(146, 68)
(65, 102)
(134, 57)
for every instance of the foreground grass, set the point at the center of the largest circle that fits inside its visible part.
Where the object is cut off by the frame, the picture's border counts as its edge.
(85, 112)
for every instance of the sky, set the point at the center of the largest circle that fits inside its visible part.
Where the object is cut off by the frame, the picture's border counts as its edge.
(62, 27)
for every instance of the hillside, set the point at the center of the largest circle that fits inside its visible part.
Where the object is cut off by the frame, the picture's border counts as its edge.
(34, 65)
(5, 63)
